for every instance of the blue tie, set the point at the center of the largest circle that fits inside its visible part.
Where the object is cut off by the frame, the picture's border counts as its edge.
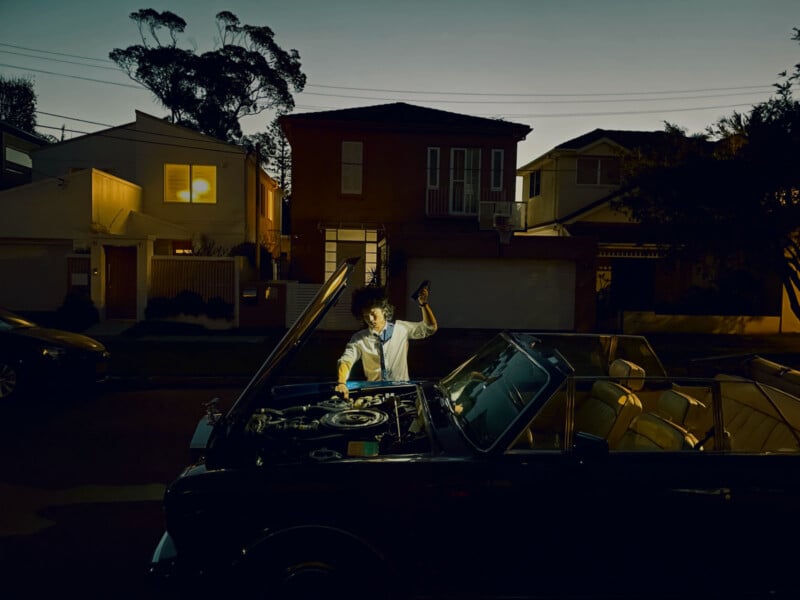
(383, 337)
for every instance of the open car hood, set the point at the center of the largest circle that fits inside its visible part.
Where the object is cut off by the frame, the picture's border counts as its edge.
(294, 338)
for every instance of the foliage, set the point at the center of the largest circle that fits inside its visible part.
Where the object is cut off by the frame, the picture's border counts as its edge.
(246, 74)
(18, 103)
(733, 193)
(77, 312)
(274, 154)
(187, 302)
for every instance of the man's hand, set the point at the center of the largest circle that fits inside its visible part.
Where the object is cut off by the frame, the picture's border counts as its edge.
(341, 388)
(422, 298)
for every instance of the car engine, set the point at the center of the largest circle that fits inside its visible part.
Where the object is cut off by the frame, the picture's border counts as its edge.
(373, 423)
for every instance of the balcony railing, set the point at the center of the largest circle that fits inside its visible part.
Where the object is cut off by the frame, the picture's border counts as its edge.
(493, 208)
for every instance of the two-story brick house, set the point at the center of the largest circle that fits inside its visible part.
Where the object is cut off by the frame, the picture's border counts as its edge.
(420, 193)
(102, 206)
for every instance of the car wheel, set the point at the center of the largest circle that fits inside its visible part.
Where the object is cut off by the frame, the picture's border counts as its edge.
(9, 380)
(316, 569)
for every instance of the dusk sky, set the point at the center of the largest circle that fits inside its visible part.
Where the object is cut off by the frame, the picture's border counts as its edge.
(564, 67)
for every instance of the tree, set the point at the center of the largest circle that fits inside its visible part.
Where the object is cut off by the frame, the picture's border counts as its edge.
(733, 192)
(246, 74)
(18, 103)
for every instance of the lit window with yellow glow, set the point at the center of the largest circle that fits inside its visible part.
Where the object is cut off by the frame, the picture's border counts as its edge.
(196, 184)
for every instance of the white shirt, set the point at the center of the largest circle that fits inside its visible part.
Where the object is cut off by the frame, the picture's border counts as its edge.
(365, 345)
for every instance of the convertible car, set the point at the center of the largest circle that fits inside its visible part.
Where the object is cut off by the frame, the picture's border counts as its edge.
(516, 475)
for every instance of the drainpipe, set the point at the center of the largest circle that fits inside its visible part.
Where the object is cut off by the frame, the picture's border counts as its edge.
(258, 202)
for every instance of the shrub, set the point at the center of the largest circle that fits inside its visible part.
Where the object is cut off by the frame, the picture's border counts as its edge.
(189, 303)
(77, 312)
(160, 308)
(217, 308)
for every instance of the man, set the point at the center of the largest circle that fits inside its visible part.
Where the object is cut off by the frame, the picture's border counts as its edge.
(382, 347)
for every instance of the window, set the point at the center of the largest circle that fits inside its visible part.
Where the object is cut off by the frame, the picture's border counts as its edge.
(18, 157)
(465, 180)
(352, 167)
(497, 170)
(196, 184)
(339, 245)
(598, 170)
(535, 183)
(433, 168)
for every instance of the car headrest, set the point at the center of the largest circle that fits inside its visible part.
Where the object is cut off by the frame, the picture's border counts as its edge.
(629, 374)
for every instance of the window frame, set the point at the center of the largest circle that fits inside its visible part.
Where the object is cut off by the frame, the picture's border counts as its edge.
(214, 199)
(598, 169)
(496, 170)
(434, 167)
(352, 172)
(535, 183)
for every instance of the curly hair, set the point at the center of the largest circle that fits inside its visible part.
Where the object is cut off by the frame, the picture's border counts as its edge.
(369, 297)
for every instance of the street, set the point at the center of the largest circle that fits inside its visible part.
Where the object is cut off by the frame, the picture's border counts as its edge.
(81, 488)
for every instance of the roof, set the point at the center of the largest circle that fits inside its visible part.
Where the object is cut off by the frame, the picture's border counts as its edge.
(400, 113)
(33, 138)
(625, 138)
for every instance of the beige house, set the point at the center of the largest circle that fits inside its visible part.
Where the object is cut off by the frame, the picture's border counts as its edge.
(103, 205)
(568, 193)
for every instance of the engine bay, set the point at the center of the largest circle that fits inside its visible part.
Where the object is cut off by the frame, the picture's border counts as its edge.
(372, 422)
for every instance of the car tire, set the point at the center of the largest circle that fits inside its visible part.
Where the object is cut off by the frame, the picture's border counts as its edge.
(10, 380)
(309, 567)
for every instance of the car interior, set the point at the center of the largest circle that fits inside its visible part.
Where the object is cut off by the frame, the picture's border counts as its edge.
(633, 415)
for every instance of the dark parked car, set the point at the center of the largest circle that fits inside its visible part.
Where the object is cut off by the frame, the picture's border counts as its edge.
(34, 357)
(513, 476)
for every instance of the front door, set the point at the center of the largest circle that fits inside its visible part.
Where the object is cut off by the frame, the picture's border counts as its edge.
(120, 282)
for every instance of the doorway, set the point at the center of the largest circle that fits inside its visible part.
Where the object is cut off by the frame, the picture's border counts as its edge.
(120, 282)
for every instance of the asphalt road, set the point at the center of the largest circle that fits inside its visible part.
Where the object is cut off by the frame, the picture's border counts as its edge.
(81, 485)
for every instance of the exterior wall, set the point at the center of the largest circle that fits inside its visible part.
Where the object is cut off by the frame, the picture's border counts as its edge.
(394, 185)
(112, 201)
(48, 209)
(137, 152)
(223, 222)
(496, 294)
(649, 322)
(34, 274)
(550, 273)
(16, 145)
(561, 195)
(107, 151)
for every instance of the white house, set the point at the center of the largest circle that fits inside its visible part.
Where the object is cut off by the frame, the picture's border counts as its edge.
(101, 206)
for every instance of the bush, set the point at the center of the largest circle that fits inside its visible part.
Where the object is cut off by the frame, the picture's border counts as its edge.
(217, 308)
(160, 308)
(189, 303)
(77, 312)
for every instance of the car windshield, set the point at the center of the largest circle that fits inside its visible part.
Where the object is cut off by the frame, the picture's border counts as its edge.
(11, 321)
(488, 391)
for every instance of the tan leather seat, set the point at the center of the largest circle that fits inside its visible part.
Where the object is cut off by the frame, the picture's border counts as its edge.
(686, 411)
(627, 373)
(649, 432)
(607, 411)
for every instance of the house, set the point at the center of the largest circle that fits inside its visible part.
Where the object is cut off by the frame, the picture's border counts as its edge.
(420, 193)
(106, 212)
(16, 145)
(568, 192)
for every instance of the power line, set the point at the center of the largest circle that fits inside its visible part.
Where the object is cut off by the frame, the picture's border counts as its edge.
(554, 95)
(421, 92)
(69, 62)
(128, 85)
(54, 53)
(604, 100)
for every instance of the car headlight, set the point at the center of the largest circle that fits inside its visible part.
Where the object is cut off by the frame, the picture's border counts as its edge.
(54, 352)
